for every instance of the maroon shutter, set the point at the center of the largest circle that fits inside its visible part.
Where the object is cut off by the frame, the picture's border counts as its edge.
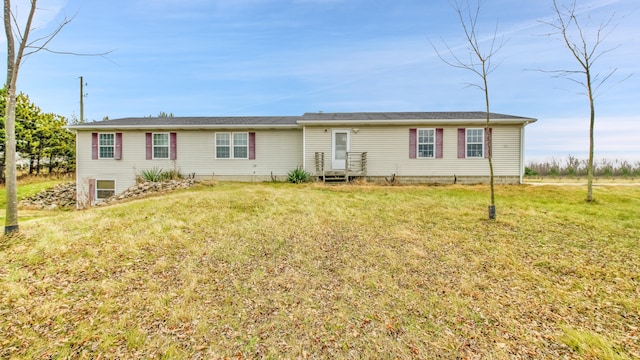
(149, 146)
(173, 148)
(487, 148)
(439, 134)
(413, 141)
(118, 152)
(252, 146)
(462, 143)
(92, 190)
(94, 146)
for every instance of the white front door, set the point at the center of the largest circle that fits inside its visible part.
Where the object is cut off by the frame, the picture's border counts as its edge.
(340, 139)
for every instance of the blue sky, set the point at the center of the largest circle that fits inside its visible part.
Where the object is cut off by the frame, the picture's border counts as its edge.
(288, 57)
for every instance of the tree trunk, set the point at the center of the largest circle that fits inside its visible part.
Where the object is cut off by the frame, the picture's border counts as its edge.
(11, 216)
(487, 134)
(2, 170)
(13, 65)
(50, 167)
(592, 118)
(3, 161)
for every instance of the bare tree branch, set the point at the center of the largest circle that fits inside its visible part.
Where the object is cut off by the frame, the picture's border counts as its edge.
(14, 60)
(75, 53)
(48, 38)
(42, 43)
(480, 63)
(586, 51)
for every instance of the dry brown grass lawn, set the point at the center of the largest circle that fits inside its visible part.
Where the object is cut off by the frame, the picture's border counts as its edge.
(312, 271)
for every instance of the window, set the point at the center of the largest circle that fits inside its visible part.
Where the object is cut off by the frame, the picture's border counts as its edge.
(240, 145)
(106, 146)
(105, 188)
(161, 146)
(232, 145)
(223, 145)
(426, 143)
(475, 143)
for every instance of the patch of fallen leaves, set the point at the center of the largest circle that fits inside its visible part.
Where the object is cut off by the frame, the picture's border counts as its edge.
(255, 274)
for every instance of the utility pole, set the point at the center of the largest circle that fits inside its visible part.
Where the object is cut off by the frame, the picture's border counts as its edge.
(81, 100)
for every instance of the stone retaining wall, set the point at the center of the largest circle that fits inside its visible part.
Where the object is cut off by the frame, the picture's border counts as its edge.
(147, 188)
(63, 196)
(59, 196)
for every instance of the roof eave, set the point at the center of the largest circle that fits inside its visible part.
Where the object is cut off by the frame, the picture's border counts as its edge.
(182, 127)
(314, 122)
(524, 121)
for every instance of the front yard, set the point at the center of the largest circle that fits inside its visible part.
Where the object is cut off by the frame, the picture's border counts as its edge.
(311, 271)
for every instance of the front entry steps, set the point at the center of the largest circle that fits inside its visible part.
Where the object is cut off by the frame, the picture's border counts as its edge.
(335, 176)
(355, 164)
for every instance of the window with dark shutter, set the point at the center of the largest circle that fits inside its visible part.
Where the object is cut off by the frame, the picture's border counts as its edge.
(475, 140)
(103, 146)
(236, 145)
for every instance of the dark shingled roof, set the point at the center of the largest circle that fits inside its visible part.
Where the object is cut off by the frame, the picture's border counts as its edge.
(194, 121)
(293, 121)
(381, 116)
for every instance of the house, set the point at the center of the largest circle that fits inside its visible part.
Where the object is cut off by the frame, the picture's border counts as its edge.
(409, 146)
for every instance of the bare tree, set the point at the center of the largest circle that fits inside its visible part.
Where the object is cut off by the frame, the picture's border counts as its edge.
(481, 64)
(586, 50)
(25, 48)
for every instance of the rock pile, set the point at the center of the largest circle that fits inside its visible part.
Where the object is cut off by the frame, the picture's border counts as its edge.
(147, 188)
(64, 195)
(59, 196)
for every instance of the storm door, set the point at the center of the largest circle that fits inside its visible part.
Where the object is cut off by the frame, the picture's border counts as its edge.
(340, 146)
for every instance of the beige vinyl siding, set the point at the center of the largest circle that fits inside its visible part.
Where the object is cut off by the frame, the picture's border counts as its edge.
(317, 139)
(506, 151)
(122, 171)
(277, 152)
(387, 150)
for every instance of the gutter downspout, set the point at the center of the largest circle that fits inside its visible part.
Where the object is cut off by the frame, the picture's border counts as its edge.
(522, 152)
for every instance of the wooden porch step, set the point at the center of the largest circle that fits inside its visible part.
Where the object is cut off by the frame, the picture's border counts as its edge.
(355, 165)
(335, 176)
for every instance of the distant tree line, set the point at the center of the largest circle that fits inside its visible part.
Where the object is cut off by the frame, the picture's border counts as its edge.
(42, 141)
(574, 167)
(161, 114)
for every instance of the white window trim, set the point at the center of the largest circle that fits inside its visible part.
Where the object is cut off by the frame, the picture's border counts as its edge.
(106, 146)
(97, 189)
(216, 146)
(231, 146)
(153, 146)
(466, 144)
(418, 143)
